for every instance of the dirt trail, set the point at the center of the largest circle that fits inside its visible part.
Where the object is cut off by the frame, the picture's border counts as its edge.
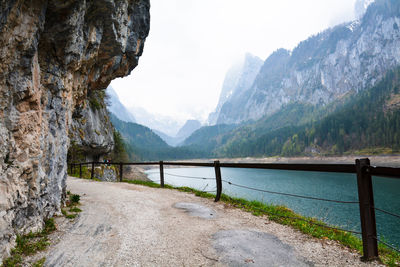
(130, 225)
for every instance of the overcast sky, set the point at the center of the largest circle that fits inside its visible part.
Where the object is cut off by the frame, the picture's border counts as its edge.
(192, 43)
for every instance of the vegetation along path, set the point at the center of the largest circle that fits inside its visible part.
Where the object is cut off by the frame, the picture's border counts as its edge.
(131, 225)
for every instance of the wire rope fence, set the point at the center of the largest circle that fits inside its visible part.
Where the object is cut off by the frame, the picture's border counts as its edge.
(361, 168)
(290, 195)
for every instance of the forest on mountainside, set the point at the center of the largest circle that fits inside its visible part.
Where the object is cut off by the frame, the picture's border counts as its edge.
(141, 143)
(368, 120)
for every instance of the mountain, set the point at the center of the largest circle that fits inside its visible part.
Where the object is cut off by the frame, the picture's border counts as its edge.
(165, 124)
(208, 138)
(335, 93)
(188, 128)
(137, 135)
(360, 7)
(116, 107)
(170, 140)
(368, 121)
(143, 144)
(326, 67)
(238, 80)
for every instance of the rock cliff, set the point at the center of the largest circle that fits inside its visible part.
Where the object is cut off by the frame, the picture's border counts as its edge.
(53, 54)
(117, 108)
(91, 130)
(238, 80)
(325, 67)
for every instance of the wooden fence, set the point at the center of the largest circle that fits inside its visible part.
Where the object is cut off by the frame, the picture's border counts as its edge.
(362, 168)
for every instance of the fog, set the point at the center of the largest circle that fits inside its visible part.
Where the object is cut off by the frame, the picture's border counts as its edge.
(192, 43)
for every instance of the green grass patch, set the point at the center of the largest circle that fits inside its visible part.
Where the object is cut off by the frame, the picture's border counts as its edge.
(64, 212)
(75, 209)
(285, 216)
(72, 203)
(71, 216)
(86, 172)
(29, 244)
(74, 199)
(39, 263)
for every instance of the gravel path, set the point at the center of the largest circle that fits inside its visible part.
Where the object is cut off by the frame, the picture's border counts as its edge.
(131, 225)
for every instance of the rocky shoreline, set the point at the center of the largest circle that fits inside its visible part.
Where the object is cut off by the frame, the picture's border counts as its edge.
(386, 161)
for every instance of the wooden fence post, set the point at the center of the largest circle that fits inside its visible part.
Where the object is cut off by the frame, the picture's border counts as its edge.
(162, 173)
(367, 212)
(80, 170)
(218, 180)
(92, 173)
(121, 167)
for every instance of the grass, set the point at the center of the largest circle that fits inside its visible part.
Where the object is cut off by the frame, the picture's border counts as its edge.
(72, 204)
(86, 173)
(29, 244)
(75, 209)
(39, 263)
(285, 216)
(32, 243)
(74, 199)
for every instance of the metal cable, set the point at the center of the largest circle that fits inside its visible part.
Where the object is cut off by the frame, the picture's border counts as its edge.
(190, 177)
(386, 244)
(308, 221)
(291, 195)
(387, 212)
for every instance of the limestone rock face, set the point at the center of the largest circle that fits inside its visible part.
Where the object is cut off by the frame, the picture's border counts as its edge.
(92, 130)
(105, 173)
(52, 55)
(238, 80)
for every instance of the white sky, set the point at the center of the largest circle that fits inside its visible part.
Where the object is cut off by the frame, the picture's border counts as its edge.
(192, 44)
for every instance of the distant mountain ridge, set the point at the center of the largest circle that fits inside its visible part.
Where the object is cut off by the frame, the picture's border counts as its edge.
(144, 144)
(117, 108)
(185, 131)
(188, 128)
(175, 135)
(238, 80)
(165, 124)
(335, 92)
(137, 135)
(344, 59)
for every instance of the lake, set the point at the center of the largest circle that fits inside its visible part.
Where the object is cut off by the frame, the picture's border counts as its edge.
(335, 186)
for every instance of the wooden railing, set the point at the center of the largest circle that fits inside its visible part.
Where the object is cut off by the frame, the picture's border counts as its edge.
(362, 168)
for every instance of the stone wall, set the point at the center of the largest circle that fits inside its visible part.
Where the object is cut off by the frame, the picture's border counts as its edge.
(52, 55)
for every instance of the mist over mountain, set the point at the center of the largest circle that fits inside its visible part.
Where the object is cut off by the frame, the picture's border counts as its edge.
(304, 101)
(142, 143)
(188, 128)
(335, 92)
(237, 82)
(167, 125)
(360, 7)
(324, 68)
(117, 108)
(168, 129)
(185, 131)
